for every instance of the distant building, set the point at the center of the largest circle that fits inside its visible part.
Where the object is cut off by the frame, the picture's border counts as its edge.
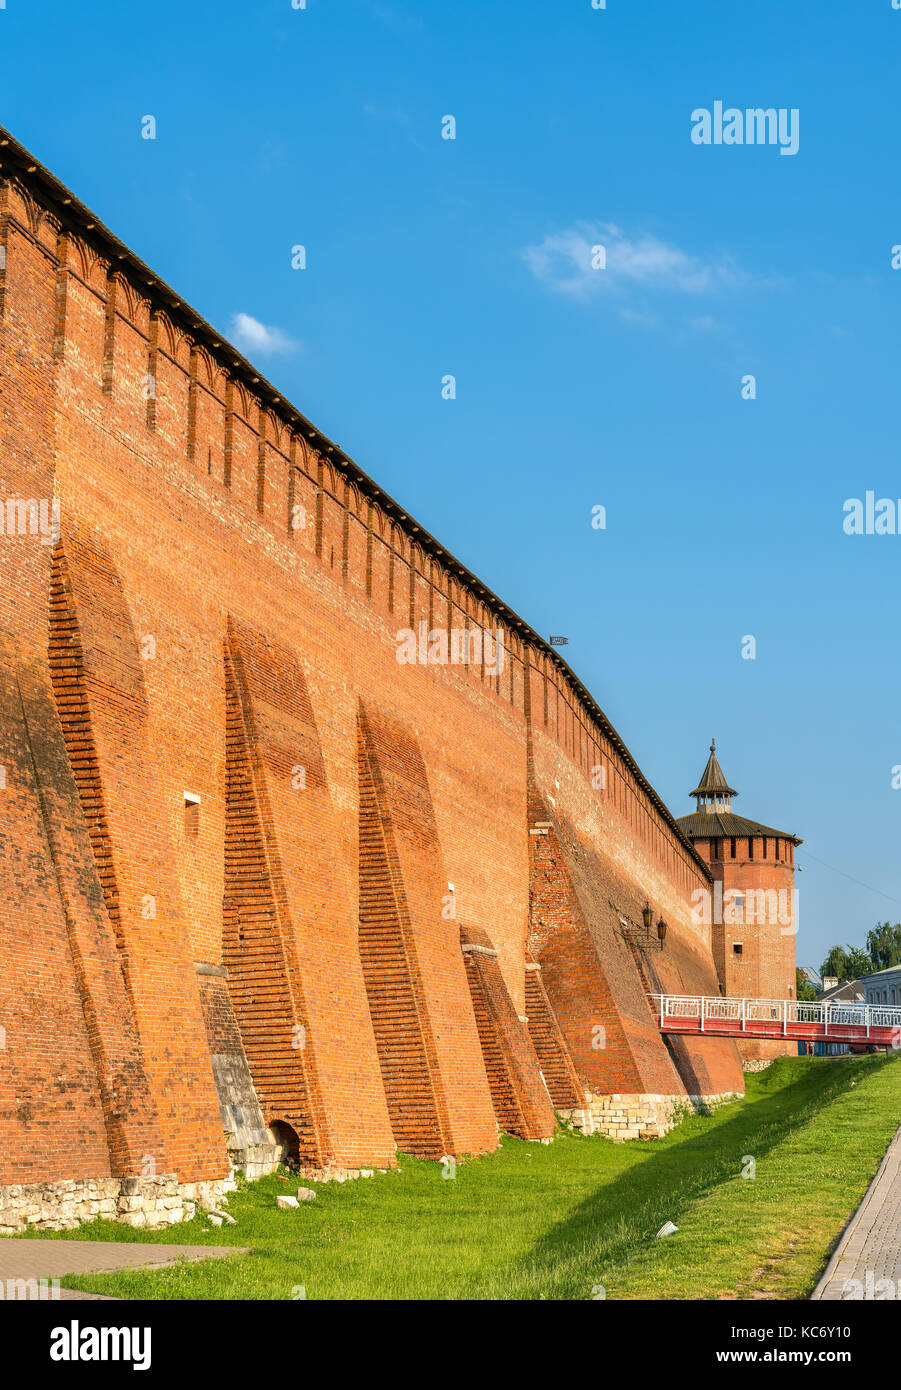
(848, 992)
(883, 987)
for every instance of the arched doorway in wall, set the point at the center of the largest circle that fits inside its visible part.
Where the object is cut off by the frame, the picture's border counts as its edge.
(285, 1139)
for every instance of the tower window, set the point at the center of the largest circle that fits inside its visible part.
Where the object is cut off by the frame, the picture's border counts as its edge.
(764, 847)
(750, 848)
(736, 948)
(732, 846)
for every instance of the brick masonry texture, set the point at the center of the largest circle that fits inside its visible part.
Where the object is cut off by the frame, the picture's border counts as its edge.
(293, 956)
(588, 888)
(765, 968)
(521, 1098)
(141, 884)
(264, 883)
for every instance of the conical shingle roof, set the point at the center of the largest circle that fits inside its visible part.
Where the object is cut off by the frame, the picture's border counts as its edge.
(712, 779)
(714, 816)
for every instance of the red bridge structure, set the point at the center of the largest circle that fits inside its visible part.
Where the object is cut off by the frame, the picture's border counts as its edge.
(778, 1018)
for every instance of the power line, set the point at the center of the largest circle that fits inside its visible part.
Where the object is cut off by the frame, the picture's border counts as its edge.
(860, 883)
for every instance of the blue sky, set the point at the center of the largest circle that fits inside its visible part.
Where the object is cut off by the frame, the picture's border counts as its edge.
(575, 387)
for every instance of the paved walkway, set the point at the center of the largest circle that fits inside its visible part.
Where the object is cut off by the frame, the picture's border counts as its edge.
(34, 1259)
(870, 1245)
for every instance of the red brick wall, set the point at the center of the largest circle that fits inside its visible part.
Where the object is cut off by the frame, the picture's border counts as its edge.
(553, 1055)
(190, 495)
(765, 969)
(591, 877)
(521, 1099)
(428, 978)
(27, 402)
(94, 652)
(75, 1098)
(293, 957)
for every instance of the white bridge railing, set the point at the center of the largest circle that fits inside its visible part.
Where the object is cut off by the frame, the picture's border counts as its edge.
(786, 1012)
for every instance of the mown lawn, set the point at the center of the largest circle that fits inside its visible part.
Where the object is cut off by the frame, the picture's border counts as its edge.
(570, 1219)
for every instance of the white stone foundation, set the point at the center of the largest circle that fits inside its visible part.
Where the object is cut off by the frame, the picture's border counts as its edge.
(332, 1173)
(255, 1160)
(145, 1202)
(622, 1117)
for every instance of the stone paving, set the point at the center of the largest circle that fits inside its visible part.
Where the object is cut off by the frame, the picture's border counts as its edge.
(869, 1249)
(35, 1259)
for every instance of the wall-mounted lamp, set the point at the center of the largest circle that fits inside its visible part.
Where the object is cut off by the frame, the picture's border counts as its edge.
(661, 932)
(647, 915)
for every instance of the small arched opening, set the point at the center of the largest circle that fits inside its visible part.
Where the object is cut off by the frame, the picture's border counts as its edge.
(285, 1140)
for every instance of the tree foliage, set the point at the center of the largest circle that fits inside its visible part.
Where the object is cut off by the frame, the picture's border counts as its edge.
(836, 963)
(884, 945)
(850, 962)
(804, 990)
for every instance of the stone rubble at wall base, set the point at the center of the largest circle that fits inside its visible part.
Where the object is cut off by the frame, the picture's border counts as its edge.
(150, 1203)
(621, 1117)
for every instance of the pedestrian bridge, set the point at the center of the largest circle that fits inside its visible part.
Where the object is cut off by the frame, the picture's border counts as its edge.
(778, 1018)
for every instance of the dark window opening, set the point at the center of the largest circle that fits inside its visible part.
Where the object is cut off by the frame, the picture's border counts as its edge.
(736, 949)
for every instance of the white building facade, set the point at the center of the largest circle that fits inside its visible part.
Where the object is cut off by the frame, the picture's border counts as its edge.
(884, 987)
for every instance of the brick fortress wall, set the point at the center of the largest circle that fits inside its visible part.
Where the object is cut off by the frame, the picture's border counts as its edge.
(264, 879)
(754, 940)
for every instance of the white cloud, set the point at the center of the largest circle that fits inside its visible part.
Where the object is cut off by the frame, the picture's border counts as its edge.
(564, 262)
(252, 336)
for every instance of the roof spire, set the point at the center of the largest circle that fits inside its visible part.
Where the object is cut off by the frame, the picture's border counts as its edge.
(713, 792)
(714, 816)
